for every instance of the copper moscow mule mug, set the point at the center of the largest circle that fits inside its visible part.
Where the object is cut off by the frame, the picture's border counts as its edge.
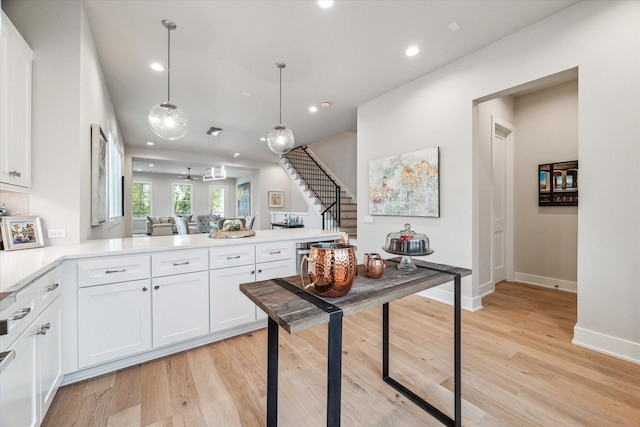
(373, 265)
(332, 267)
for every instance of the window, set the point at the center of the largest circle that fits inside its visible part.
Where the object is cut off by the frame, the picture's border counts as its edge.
(114, 177)
(141, 199)
(217, 200)
(182, 199)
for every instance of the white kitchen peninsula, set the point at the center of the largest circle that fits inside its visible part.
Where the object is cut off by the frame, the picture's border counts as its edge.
(126, 301)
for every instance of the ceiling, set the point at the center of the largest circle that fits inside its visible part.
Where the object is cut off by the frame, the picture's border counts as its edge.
(223, 71)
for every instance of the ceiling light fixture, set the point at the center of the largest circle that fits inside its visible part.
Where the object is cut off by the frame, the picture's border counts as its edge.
(325, 104)
(453, 27)
(313, 109)
(214, 131)
(412, 51)
(280, 139)
(325, 4)
(167, 120)
(150, 143)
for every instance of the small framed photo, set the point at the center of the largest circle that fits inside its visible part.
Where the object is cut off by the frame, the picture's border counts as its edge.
(21, 232)
(276, 199)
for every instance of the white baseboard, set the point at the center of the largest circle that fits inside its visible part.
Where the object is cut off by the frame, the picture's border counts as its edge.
(486, 289)
(446, 296)
(607, 344)
(547, 282)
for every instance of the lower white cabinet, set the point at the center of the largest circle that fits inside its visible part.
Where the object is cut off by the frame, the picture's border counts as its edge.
(18, 387)
(49, 350)
(271, 270)
(180, 307)
(229, 306)
(113, 321)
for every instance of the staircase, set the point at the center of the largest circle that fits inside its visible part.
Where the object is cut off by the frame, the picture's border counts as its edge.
(338, 210)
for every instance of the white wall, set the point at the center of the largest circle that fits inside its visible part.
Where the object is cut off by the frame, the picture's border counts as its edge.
(68, 95)
(546, 238)
(601, 39)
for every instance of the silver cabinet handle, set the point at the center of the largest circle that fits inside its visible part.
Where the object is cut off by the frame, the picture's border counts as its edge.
(4, 323)
(115, 271)
(253, 272)
(52, 287)
(234, 257)
(21, 313)
(175, 264)
(15, 173)
(43, 329)
(260, 271)
(145, 289)
(156, 287)
(5, 358)
(274, 252)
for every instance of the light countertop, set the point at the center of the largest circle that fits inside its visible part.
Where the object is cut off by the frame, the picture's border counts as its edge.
(18, 268)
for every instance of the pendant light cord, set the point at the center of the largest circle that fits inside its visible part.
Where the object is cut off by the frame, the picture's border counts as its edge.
(280, 94)
(169, 66)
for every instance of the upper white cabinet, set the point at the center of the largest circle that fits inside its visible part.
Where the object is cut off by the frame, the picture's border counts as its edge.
(15, 108)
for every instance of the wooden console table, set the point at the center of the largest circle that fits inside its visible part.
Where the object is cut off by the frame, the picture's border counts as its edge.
(295, 310)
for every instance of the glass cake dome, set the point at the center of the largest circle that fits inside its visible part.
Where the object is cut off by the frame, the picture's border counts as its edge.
(407, 243)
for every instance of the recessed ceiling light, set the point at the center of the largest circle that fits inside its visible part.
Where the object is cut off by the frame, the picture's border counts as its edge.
(454, 26)
(236, 154)
(157, 67)
(325, 104)
(138, 170)
(151, 165)
(247, 93)
(149, 143)
(412, 51)
(313, 109)
(325, 4)
(263, 139)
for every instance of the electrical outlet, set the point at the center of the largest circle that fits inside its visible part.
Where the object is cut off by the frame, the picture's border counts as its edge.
(60, 233)
(368, 220)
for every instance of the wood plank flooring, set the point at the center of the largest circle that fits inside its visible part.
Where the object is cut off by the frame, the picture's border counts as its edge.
(519, 369)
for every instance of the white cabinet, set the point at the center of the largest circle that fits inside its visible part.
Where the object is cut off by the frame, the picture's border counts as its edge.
(49, 349)
(15, 108)
(18, 390)
(32, 373)
(180, 307)
(230, 307)
(113, 321)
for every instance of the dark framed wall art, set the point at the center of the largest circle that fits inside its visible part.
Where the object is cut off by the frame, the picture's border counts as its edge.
(558, 184)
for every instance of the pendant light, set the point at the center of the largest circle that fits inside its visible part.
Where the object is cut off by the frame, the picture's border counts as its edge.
(280, 139)
(167, 120)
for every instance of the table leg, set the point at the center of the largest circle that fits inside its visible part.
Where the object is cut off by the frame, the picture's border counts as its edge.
(334, 369)
(457, 369)
(272, 373)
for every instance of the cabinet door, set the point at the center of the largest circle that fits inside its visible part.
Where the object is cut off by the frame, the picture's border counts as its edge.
(180, 307)
(271, 270)
(49, 351)
(113, 321)
(15, 110)
(18, 384)
(229, 306)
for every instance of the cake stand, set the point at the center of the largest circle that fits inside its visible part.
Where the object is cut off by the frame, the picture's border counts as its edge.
(406, 263)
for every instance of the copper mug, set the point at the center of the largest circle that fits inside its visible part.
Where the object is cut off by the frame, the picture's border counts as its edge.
(373, 265)
(332, 268)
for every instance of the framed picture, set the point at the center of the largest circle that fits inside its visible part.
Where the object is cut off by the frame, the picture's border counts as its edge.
(406, 185)
(98, 175)
(558, 184)
(21, 232)
(244, 199)
(276, 199)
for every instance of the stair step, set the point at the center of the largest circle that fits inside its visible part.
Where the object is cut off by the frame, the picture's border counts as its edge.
(348, 214)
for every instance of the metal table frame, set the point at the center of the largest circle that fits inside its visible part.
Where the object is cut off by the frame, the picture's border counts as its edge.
(334, 360)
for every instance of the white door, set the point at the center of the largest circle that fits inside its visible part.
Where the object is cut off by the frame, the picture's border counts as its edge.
(499, 204)
(502, 175)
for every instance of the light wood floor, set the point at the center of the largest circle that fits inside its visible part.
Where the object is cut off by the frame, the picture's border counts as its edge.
(519, 369)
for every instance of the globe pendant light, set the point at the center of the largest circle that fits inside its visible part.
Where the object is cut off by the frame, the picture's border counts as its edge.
(280, 139)
(167, 120)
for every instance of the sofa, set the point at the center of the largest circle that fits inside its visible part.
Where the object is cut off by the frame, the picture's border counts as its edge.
(166, 225)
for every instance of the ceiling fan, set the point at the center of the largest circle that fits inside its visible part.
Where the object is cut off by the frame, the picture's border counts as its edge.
(189, 177)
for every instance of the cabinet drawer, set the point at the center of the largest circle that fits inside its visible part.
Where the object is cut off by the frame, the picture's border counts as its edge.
(48, 287)
(231, 256)
(178, 262)
(274, 251)
(15, 318)
(113, 270)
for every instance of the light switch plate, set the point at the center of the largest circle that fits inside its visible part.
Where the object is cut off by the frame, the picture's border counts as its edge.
(368, 220)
